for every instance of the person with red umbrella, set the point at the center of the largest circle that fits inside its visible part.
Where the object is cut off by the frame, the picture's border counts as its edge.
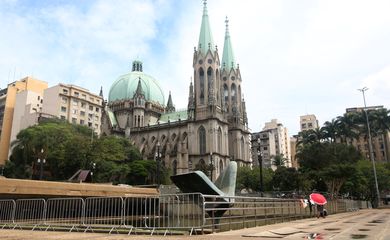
(320, 201)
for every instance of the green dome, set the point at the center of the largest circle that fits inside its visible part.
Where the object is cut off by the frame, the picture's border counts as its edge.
(126, 85)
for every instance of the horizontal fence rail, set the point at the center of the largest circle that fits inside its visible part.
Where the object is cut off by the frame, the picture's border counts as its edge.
(192, 212)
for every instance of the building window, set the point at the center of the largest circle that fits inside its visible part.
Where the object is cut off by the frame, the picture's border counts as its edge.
(74, 120)
(63, 109)
(63, 117)
(233, 92)
(76, 94)
(74, 111)
(90, 108)
(202, 140)
(82, 122)
(64, 100)
(90, 115)
(65, 91)
(310, 125)
(201, 84)
(89, 124)
(219, 140)
(97, 109)
(82, 113)
(83, 104)
(83, 96)
(303, 125)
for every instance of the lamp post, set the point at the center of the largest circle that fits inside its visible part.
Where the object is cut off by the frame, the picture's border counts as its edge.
(211, 166)
(260, 159)
(93, 165)
(41, 162)
(371, 154)
(158, 159)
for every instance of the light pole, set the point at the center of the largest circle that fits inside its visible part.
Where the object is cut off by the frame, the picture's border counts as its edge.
(260, 159)
(93, 165)
(41, 162)
(211, 166)
(370, 146)
(158, 159)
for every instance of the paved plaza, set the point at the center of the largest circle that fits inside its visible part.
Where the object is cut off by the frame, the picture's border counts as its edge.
(364, 224)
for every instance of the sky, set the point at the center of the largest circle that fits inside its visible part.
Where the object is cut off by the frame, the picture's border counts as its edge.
(296, 57)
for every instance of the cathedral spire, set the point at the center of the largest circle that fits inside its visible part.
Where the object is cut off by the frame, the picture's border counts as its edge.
(205, 37)
(101, 91)
(170, 107)
(228, 60)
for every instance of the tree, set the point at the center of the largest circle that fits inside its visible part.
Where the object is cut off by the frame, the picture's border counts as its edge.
(279, 160)
(68, 148)
(286, 179)
(332, 163)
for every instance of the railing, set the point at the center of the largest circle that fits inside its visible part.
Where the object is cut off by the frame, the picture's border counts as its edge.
(162, 214)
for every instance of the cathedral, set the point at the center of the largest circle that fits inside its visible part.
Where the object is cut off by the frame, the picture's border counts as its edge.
(212, 130)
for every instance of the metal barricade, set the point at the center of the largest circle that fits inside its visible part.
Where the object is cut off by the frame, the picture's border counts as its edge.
(176, 211)
(7, 211)
(29, 212)
(103, 212)
(64, 212)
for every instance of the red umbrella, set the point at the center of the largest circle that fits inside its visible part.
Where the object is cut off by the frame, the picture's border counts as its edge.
(318, 198)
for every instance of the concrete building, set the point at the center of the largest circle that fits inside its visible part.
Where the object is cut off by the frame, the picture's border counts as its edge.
(308, 122)
(271, 141)
(28, 106)
(74, 104)
(212, 130)
(7, 105)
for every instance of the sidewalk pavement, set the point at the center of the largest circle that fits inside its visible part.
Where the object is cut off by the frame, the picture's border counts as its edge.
(363, 224)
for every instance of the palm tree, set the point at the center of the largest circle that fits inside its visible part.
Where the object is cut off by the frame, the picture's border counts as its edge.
(331, 129)
(279, 160)
(380, 126)
(349, 126)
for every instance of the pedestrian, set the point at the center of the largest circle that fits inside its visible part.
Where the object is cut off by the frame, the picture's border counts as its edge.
(309, 202)
(320, 211)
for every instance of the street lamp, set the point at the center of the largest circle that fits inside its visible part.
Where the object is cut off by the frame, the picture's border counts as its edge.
(370, 146)
(93, 165)
(158, 159)
(260, 159)
(211, 165)
(41, 162)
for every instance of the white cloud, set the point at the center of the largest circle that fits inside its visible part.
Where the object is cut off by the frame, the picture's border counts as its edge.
(296, 57)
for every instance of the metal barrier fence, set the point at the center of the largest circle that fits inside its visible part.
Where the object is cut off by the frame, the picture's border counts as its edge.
(158, 214)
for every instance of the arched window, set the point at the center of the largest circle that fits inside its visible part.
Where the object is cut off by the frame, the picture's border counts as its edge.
(233, 92)
(239, 93)
(202, 140)
(242, 148)
(220, 141)
(201, 85)
(209, 77)
(226, 93)
(174, 167)
(220, 166)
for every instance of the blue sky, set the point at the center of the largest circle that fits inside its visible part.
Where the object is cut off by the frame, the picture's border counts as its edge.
(296, 57)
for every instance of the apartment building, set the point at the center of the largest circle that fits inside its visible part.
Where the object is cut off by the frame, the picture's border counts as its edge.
(75, 104)
(271, 141)
(8, 98)
(308, 122)
(380, 142)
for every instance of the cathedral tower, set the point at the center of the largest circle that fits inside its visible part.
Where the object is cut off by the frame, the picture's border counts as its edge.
(206, 66)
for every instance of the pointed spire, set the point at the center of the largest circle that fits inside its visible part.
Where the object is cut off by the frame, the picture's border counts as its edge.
(101, 91)
(191, 103)
(170, 107)
(139, 91)
(228, 60)
(205, 36)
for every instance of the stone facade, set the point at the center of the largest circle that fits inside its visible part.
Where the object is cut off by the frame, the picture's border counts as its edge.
(213, 128)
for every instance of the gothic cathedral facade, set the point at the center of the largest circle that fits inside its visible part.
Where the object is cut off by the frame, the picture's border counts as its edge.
(212, 130)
